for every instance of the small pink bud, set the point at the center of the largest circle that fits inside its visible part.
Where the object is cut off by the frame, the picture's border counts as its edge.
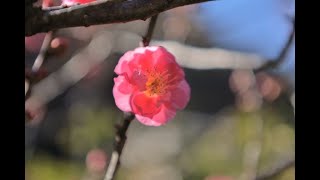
(96, 160)
(58, 46)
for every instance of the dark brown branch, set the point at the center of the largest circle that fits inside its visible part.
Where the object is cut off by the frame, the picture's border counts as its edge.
(119, 142)
(29, 2)
(147, 38)
(281, 58)
(99, 12)
(276, 170)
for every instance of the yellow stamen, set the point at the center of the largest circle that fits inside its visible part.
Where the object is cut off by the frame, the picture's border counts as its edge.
(156, 84)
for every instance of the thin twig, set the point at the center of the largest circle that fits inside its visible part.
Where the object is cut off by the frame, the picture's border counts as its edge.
(281, 58)
(31, 77)
(34, 74)
(119, 141)
(147, 38)
(43, 51)
(275, 171)
(120, 137)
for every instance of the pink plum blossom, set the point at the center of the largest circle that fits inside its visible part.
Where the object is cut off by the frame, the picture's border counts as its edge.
(75, 2)
(151, 85)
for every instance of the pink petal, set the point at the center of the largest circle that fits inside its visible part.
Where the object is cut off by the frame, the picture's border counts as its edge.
(122, 91)
(145, 105)
(164, 115)
(134, 61)
(161, 118)
(122, 66)
(180, 96)
(139, 80)
(147, 121)
(141, 62)
(74, 2)
(162, 55)
(175, 73)
(164, 61)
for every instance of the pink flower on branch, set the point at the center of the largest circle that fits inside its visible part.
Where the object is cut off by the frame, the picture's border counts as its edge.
(151, 85)
(75, 2)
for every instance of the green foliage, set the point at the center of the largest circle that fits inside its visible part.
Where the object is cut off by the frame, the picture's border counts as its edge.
(46, 167)
(218, 151)
(89, 128)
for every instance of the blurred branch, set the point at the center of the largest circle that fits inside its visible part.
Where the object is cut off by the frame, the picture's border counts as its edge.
(210, 58)
(98, 12)
(252, 152)
(31, 77)
(293, 102)
(120, 139)
(275, 63)
(120, 41)
(276, 170)
(43, 51)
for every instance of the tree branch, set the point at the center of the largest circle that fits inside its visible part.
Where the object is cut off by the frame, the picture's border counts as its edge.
(43, 51)
(281, 58)
(147, 38)
(120, 140)
(99, 12)
(209, 58)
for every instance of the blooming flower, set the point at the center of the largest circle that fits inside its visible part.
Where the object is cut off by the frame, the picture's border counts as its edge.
(75, 2)
(151, 85)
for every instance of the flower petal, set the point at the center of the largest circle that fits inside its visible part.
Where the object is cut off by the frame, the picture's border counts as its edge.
(122, 91)
(162, 56)
(180, 96)
(147, 121)
(141, 62)
(145, 105)
(75, 2)
(122, 66)
(162, 117)
(165, 63)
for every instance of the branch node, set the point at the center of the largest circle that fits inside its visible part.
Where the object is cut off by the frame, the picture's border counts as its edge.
(86, 22)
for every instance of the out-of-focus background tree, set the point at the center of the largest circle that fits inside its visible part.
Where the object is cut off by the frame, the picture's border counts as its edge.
(238, 124)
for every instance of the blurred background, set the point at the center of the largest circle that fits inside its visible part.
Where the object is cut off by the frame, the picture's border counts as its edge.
(239, 125)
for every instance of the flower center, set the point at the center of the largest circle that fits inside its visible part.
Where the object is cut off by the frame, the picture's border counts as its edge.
(156, 84)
